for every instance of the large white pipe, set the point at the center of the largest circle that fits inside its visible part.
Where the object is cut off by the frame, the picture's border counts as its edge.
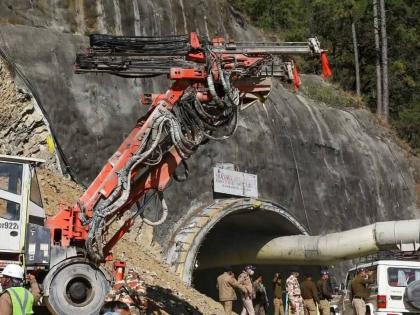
(319, 250)
(342, 245)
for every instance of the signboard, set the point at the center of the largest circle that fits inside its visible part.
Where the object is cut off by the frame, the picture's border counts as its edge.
(235, 183)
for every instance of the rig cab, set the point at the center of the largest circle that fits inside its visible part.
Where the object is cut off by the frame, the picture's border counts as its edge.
(24, 239)
(69, 282)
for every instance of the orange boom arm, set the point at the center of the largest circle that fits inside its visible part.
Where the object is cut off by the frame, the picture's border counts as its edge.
(209, 81)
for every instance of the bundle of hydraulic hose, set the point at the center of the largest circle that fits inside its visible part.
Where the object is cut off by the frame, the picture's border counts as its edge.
(210, 80)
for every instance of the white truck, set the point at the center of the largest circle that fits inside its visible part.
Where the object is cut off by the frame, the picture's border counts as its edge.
(395, 291)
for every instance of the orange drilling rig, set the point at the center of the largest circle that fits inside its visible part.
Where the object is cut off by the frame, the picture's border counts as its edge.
(210, 80)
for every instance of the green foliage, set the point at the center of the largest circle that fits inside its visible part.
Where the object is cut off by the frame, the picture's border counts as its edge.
(328, 93)
(330, 20)
(408, 126)
(282, 16)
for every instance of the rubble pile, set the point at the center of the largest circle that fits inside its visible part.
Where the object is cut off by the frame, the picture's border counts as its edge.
(164, 290)
(158, 290)
(149, 283)
(146, 299)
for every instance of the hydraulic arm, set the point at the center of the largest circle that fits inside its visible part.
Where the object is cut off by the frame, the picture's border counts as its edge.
(209, 80)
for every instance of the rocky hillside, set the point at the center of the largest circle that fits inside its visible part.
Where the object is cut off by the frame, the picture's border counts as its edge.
(23, 129)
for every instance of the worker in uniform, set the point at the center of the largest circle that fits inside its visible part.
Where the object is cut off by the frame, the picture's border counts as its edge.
(309, 295)
(260, 301)
(294, 293)
(15, 299)
(226, 284)
(278, 295)
(359, 291)
(245, 280)
(325, 293)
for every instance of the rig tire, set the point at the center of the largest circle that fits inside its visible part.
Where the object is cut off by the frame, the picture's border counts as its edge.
(77, 288)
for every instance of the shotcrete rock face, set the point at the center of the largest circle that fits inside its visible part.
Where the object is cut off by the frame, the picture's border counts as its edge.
(131, 17)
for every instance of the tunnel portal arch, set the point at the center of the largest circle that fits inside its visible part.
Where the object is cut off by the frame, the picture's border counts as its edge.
(190, 236)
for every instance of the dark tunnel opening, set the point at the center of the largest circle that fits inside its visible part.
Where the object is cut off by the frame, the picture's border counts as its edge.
(227, 234)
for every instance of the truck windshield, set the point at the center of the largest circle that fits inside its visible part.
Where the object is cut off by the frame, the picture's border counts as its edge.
(11, 177)
(401, 277)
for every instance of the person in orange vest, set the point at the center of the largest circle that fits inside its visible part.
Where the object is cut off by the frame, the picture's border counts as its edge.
(15, 299)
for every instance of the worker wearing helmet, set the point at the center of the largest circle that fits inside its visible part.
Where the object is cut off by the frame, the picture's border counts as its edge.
(15, 299)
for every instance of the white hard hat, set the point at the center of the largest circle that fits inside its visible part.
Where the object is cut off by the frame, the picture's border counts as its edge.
(13, 271)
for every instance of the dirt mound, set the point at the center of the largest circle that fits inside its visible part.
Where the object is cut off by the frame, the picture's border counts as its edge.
(164, 291)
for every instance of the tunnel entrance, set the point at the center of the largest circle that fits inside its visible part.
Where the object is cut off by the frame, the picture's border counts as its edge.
(200, 247)
(232, 230)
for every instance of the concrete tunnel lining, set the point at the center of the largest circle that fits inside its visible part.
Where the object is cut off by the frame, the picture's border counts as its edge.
(191, 236)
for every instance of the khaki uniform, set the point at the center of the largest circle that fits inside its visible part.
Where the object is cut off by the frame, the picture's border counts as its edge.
(245, 281)
(324, 307)
(359, 294)
(295, 298)
(278, 298)
(325, 296)
(226, 283)
(310, 297)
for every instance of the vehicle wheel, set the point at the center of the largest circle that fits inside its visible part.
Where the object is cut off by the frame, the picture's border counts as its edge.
(78, 288)
(413, 294)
